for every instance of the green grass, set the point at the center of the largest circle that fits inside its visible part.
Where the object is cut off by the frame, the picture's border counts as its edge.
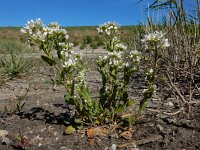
(14, 46)
(13, 65)
(11, 38)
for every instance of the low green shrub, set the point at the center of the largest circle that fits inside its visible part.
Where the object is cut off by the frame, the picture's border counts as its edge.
(87, 40)
(83, 45)
(93, 45)
(13, 65)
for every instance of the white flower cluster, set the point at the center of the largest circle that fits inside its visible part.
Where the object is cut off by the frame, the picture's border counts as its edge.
(155, 39)
(71, 62)
(54, 35)
(70, 58)
(136, 55)
(35, 30)
(120, 46)
(54, 29)
(80, 78)
(117, 55)
(121, 59)
(133, 58)
(108, 28)
(66, 46)
(38, 32)
(114, 59)
(149, 72)
(32, 25)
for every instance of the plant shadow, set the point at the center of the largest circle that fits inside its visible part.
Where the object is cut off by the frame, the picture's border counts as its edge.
(41, 114)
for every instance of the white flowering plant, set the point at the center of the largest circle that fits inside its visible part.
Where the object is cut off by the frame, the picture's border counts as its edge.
(154, 44)
(118, 62)
(53, 41)
(155, 39)
(115, 68)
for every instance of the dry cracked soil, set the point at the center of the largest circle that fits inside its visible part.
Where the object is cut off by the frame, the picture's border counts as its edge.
(40, 120)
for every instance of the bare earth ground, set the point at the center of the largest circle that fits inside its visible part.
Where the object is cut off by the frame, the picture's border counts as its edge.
(41, 118)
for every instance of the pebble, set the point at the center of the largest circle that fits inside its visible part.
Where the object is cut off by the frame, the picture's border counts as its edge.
(160, 127)
(64, 148)
(169, 104)
(3, 132)
(6, 140)
(113, 147)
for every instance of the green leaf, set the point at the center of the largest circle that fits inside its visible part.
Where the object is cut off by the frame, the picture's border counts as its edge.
(128, 119)
(59, 54)
(130, 102)
(68, 99)
(85, 94)
(62, 74)
(120, 108)
(80, 105)
(78, 121)
(69, 130)
(3, 63)
(48, 60)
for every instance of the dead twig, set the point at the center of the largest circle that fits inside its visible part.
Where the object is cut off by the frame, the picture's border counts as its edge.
(176, 89)
(141, 142)
(194, 102)
(167, 113)
(174, 113)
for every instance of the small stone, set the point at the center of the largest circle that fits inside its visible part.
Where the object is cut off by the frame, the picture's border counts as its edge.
(39, 144)
(113, 147)
(160, 127)
(185, 122)
(114, 136)
(55, 133)
(6, 141)
(38, 138)
(64, 148)
(3, 132)
(169, 104)
(135, 146)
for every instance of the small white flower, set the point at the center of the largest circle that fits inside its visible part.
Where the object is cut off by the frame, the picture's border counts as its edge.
(66, 36)
(45, 34)
(70, 45)
(151, 70)
(144, 90)
(138, 58)
(166, 43)
(61, 44)
(127, 64)
(113, 147)
(23, 30)
(120, 46)
(111, 27)
(68, 63)
(62, 53)
(103, 57)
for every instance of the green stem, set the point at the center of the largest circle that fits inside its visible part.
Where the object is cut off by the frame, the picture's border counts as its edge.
(150, 91)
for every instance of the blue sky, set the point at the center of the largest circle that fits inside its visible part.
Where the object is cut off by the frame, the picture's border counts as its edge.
(72, 12)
